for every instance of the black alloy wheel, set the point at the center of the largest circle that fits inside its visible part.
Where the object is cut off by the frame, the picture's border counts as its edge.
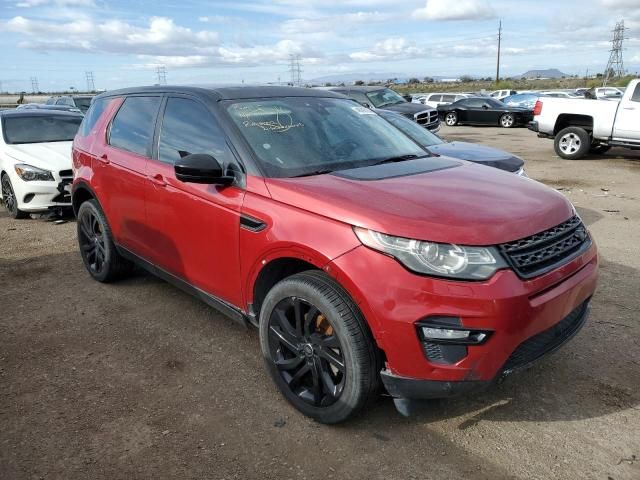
(10, 200)
(92, 240)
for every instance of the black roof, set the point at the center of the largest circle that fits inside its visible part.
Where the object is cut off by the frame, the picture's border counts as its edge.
(360, 88)
(233, 92)
(38, 112)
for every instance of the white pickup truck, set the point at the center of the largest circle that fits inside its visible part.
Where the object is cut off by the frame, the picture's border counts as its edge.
(582, 126)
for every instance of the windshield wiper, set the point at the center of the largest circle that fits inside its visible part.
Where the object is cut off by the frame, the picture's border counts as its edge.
(315, 172)
(399, 158)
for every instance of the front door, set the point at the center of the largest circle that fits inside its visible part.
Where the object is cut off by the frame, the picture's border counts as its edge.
(627, 124)
(197, 225)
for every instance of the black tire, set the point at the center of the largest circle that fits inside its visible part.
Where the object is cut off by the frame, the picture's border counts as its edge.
(599, 149)
(9, 199)
(300, 354)
(572, 143)
(451, 119)
(98, 251)
(507, 120)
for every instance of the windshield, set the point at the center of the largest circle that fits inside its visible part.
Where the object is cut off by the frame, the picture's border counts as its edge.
(40, 128)
(384, 97)
(83, 103)
(419, 134)
(296, 136)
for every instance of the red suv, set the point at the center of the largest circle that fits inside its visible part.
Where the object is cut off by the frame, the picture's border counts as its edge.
(362, 260)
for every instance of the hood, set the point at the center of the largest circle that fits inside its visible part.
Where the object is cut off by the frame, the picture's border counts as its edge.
(54, 156)
(476, 153)
(466, 204)
(408, 108)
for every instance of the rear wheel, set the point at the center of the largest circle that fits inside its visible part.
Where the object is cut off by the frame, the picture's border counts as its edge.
(507, 120)
(10, 200)
(451, 119)
(572, 143)
(98, 251)
(317, 347)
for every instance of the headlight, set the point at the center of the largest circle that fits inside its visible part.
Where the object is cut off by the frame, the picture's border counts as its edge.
(438, 259)
(29, 173)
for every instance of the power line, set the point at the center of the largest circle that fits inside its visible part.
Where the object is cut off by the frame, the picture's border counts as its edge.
(91, 86)
(295, 70)
(161, 71)
(499, 42)
(615, 65)
(34, 85)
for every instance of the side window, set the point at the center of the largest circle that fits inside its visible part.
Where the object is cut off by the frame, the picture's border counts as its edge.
(188, 127)
(636, 94)
(51, 101)
(93, 114)
(132, 128)
(360, 97)
(60, 101)
(474, 102)
(449, 98)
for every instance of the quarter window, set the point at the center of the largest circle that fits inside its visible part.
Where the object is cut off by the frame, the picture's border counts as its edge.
(132, 128)
(188, 127)
(92, 116)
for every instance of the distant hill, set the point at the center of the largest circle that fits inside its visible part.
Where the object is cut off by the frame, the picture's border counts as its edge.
(549, 73)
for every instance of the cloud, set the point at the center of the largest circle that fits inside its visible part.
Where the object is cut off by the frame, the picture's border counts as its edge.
(458, 10)
(55, 3)
(331, 23)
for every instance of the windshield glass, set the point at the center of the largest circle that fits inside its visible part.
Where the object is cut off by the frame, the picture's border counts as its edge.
(296, 136)
(83, 103)
(384, 97)
(40, 128)
(419, 134)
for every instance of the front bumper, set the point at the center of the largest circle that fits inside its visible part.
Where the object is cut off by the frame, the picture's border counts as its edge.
(39, 196)
(512, 309)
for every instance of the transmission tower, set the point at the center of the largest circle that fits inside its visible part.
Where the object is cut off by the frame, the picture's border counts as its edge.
(615, 65)
(161, 71)
(295, 70)
(91, 86)
(34, 85)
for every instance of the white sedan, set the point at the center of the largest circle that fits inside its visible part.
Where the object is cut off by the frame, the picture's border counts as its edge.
(35, 159)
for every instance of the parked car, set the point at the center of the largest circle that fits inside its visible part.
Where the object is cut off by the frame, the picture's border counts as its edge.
(436, 99)
(500, 94)
(81, 102)
(604, 93)
(560, 94)
(524, 100)
(387, 99)
(579, 126)
(471, 152)
(361, 259)
(484, 111)
(62, 108)
(35, 159)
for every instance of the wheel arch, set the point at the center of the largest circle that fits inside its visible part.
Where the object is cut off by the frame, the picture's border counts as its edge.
(81, 193)
(573, 120)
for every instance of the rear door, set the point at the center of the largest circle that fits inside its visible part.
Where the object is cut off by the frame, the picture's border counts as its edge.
(120, 171)
(196, 227)
(627, 123)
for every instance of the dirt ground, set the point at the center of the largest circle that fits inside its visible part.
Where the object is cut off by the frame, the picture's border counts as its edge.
(138, 380)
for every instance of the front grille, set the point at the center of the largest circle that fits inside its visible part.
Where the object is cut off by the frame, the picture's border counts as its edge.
(426, 118)
(547, 250)
(548, 340)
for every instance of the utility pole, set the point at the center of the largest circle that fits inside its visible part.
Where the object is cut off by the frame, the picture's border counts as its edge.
(34, 85)
(295, 70)
(161, 71)
(615, 65)
(91, 86)
(1, 90)
(499, 42)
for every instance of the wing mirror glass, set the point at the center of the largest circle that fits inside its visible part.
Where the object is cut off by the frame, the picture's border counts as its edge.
(201, 168)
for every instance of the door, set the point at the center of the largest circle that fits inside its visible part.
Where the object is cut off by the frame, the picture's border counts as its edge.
(196, 226)
(120, 171)
(474, 113)
(627, 123)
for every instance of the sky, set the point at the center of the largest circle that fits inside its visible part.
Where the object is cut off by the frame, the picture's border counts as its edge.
(123, 42)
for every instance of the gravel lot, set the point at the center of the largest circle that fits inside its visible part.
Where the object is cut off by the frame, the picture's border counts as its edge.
(138, 380)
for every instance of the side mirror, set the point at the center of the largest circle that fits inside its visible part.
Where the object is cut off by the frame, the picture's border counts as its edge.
(485, 106)
(367, 105)
(201, 168)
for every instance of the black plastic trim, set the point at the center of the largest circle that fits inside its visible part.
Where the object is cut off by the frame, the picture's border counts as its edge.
(251, 223)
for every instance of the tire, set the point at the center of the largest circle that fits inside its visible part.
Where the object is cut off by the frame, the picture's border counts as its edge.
(9, 199)
(507, 120)
(329, 346)
(599, 149)
(98, 251)
(451, 119)
(572, 143)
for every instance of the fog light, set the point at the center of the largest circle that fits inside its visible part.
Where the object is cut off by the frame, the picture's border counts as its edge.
(432, 333)
(442, 330)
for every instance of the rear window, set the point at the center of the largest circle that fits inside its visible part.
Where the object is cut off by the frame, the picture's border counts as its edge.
(40, 128)
(636, 94)
(132, 128)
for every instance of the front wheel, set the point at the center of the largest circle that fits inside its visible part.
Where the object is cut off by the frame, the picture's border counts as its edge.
(317, 347)
(451, 119)
(507, 120)
(572, 143)
(10, 200)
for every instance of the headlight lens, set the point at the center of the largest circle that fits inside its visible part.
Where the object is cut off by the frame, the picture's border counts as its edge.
(438, 259)
(29, 173)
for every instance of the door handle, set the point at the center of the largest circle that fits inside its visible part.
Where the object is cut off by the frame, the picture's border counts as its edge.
(629, 108)
(103, 158)
(158, 180)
